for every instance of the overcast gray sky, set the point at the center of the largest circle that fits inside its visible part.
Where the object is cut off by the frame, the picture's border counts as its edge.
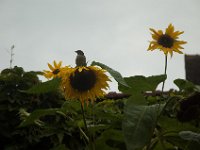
(114, 32)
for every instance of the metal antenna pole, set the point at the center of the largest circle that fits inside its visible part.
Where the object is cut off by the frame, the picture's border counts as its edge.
(11, 55)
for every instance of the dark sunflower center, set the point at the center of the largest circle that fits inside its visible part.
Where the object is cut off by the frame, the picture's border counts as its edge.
(56, 71)
(83, 81)
(166, 41)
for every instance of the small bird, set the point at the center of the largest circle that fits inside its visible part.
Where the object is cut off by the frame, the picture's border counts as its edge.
(80, 58)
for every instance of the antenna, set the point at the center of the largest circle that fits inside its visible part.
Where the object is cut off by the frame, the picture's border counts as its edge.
(11, 55)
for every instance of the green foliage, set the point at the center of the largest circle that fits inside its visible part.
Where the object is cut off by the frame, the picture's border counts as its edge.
(139, 84)
(110, 140)
(190, 136)
(35, 115)
(139, 124)
(116, 75)
(45, 87)
(169, 129)
(185, 86)
(12, 100)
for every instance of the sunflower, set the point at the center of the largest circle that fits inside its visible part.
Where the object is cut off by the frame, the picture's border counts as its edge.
(84, 83)
(166, 42)
(54, 70)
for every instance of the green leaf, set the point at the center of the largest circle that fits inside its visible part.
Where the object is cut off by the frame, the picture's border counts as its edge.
(116, 75)
(44, 87)
(172, 124)
(110, 140)
(140, 84)
(138, 125)
(190, 136)
(71, 106)
(136, 99)
(35, 115)
(181, 143)
(171, 128)
(184, 85)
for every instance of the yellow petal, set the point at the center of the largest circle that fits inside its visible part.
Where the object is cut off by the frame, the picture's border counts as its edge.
(59, 64)
(154, 31)
(170, 29)
(51, 67)
(176, 34)
(171, 53)
(55, 64)
(155, 36)
(160, 32)
(80, 69)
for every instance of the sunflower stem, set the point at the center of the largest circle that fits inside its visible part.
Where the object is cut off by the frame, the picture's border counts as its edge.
(165, 72)
(83, 133)
(86, 128)
(84, 120)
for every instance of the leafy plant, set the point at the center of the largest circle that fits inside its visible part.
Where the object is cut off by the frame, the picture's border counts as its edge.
(35, 115)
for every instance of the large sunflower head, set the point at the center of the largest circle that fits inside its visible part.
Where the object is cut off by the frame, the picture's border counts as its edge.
(84, 83)
(166, 42)
(54, 70)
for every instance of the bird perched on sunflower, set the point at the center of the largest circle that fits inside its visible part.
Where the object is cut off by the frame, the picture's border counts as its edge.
(85, 83)
(80, 58)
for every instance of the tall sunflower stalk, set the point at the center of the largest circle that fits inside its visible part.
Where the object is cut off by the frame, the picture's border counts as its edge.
(167, 42)
(165, 73)
(85, 124)
(89, 137)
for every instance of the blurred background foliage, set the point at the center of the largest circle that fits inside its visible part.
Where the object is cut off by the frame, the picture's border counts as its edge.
(35, 115)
